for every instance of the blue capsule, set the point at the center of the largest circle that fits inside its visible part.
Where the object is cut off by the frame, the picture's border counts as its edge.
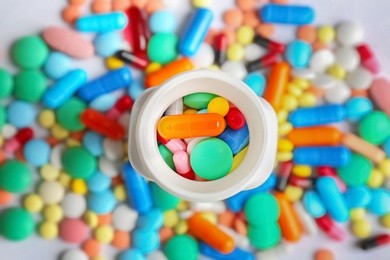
(237, 253)
(313, 204)
(195, 32)
(64, 88)
(236, 139)
(107, 83)
(357, 108)
(298, 54)
(102, 22)
(103, 102)
(287, 14)
(315, 116)
(334, 156)
(236, 202)
(357, 197)
(137, 188)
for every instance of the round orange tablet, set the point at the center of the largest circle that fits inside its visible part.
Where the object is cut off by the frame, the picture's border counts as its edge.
(120, 5)
(230, 34)
(5, 197)
(226, 218)
(210, 36)
(318, 46)
(324, 254)
(121, 239)
(92, 248)
(265, 29)
(101, 6)
(77, 2)
(246, 5)
(139, 3)
(154, 6)
(104, 219)
(307, 33)
(359, 92)
(165, 234)
(71, 13)
(233, 17)
(251, 19)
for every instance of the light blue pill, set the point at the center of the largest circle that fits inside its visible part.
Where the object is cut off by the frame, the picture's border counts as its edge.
(298, 53)
(256, 82)
(380, 202)
(162, 22)
(20, 114)
(106, 44)
(57, 65)
(357, 108)
(287, 14)
(357, 197)
(153, 219)
(136, 88)
(37, 152)
(98, 182)
(131, 254)
(102, 22)
(101, 202)
(93, 142)
(202, 111)
(146, 240)
(313, 204)
(103, 103)
(386, 147)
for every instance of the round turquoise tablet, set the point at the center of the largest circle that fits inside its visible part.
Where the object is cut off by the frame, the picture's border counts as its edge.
(131, 254)
(357, 171)
(78, 163)
(198, 100)
(375, 128)
(15, 177)
(265, 236)
(211, 159)
(68, 115)
(261, 209)
(30, 85)
(298, 53)
(182, 247)
(37, 152)
(162, 48)
(380, 202)
(6, 83)
(29, 52)
(163, 199)
(16, 224)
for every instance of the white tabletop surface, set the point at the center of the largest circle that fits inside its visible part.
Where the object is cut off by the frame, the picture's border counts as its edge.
(24, 17)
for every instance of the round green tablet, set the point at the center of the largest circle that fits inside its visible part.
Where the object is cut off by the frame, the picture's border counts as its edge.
(78, 162)
(357, 171)
(30, 85)
(261, 209)
(29, 52)
(162, 48)
(16, 224)
(167, 156)
(211, 159)
(265, 236)
(182, 247)
(375, 128)
(163, 199)
(15, 177)
(198, 100)
(6, 83)
(3, 116)
(68, 115)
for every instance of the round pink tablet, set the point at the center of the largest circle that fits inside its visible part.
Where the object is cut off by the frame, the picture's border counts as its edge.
(73, 230)
(380, 92)
(69, 42)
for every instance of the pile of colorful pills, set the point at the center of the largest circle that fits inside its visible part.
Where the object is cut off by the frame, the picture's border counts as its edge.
(71, 133)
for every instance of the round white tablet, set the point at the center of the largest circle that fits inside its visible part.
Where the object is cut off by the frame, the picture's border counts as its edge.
(349, 33)
(339, 94)
(254, 52)
(109, 168)
(8, 131)
(320, 60)
(55, 155)
(347, 57)
(235, 68)
(204, 57)
(113, 149)
(73, 205)
(360, 78)
(51, 192)
(124, 218)
(323, 81)
(74, 254)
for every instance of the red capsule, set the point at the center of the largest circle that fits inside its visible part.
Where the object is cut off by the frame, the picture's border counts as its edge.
(283, 175)
(125, 103)
(326, 224)
(138, 26)
(220, 46)
(269, 44)
(330, 172)
(374, 242)
(138, 60)
(264, 62)
(17, 141)
(301, 182)
(102, 124)
(235, 118)
(368, 58)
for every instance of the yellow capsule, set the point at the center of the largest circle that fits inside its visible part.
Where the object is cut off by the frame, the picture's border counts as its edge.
(152, 67)
(293, 193)
(120, 192)
(49, 172)
(171, 218)
(289, 102)
(301, 170)
(64, 179)
(238, 158)
(70, 142)
(326, 34)
(33, 203)
(59, 132)
(385, 220)
(53, 213)
(337, 71)
(181, 227)
(79, 186)
(182, 205)
(307, 100)
(104, 234)
(284, 128)
(282, 116)
(201, 3)
(190, 111)
(302, 83)
(114, 63)
(285, 145)
(218, 105)
(210, 216)
(294, 90)
(235, 52)
(376, 179)
(384, 166)
(357, 214)
(245, 35)
(48, 230)
(284, 156)
(47, 118)
(361, 228)
(91, 219)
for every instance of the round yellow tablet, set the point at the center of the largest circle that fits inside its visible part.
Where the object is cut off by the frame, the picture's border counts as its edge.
(307, 100)
(289, 102)
(357, 214)
(235, 52)
(384, 166)
(59, 132)
(284, 156)
(120, 192)
(337, 71)
(285, 145)
(79, 186)
(49, 172)
(302, 83)
(91, 219)
(104, 234)
(361, 228)
(48, 230)
(376, 178)
(284, 128)
(385, 220)
(53, 213)
(293, 193)
(201, 3)
(294, 90)
(181, 227)
(301, 170)
(33, 203)
(218, 105)
(282, 116)
(245, 35)
(171, 218)
(47, 118)
(64, 179)
(326, 34)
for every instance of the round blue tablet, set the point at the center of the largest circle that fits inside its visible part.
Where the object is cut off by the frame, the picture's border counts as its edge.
(93, 142)
(357, 108)
(256, 82)
(101, 202)
(131, 254)
(357, 196)
(162, 22)
(57, 65)
(380, 202)
(152, 220)
(146, 240)
(298, 54)
(106, 44)
(103, 103)
(37, 152)
(98, 182)
(20, 114)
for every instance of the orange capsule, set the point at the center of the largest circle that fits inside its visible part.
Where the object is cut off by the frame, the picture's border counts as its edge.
(363, 147)
(312, 136)
(277, 83)
(188, 126)
(209, 233)
(175, 67)
(288, 220)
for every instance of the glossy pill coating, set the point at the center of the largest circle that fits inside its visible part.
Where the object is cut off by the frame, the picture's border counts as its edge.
(287, 14)
(137, 60)
(235, 119)
(162, 199)
(326, 224)
(313, 204)
(101, 202)
(358, 107)
(368, 58)
(57, 65)
(264, 205)
(277, 84)
(359, 145)
(313, 136)
(154, 219)
(236, 139)
(16, 224)
(357, 197)
(335, 156)
(137, 29)
(237, 253)
(182, 246)
(288, 220)
(101, 22)
(298, 54)
(162, 48)
(20, 114)
(315, 116)
(195, 31)
(356, 172)
(7, 83)
(102, 124)
(256, 82)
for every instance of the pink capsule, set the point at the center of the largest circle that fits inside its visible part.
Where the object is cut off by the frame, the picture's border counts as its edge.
(20, 138)
(368, 59)
(326, 224)
(330, 172)
(182, 162)
(122, 105)
(173, 145)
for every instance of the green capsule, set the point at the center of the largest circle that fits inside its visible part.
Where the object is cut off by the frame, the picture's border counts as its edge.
(162, 48)
(167, 156)
(30, 85)
(198, 100)
(357, 171)
(16, 224)
(78, 163)
(264, 236)
(375, 128)
(15, 177)
(261, 209)
(29, 52)
(68, 115)
(163, 199)
(6, 83)
(182, 247)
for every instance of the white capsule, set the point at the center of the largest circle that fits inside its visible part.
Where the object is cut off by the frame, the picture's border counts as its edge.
(51, 192)
(235, 68)
(204, 57)
(338, 94)
(74, 254)
(308, 223)
(109, 168)
(156, 255)
(113, 150)
(56, 154)
(73, 205)
(215, 207)
(349, 33)
(8, 131)
(124, 218)
(323, 81)
(176, 108)
(360, 78)
(240, 240)
(347, 57)
(305, 73)
(254, 52)
(320, 60)
(274, 253)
